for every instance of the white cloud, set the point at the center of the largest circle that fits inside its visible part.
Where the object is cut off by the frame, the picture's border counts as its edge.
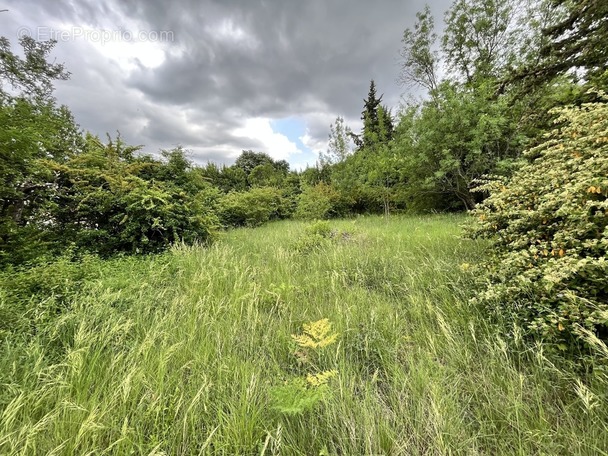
(230, 32)
(130, 56)
(314, 144)
(277, 145)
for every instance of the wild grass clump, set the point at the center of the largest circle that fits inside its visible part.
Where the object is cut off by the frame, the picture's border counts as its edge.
(318, 235)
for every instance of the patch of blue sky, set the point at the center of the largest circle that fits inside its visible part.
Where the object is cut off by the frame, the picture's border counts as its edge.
(294, 128)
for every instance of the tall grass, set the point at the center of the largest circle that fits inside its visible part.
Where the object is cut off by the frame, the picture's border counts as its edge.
(178, 355)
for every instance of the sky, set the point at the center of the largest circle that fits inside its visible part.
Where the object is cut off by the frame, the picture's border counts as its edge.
(218, 77)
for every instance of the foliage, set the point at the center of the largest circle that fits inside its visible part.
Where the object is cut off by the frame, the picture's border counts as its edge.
(266, 175)
(31, 297)
(34, 129)
(481, 38)
(549, 230)
(62, 190)
(225, 178)
(320, 201)
(253, 207)
(464, 129)
(377, 121)
(248, 160)
(300, 395)
(104, 206)
(32, 75)
(297, 396)
(316, 237)
(367, 180)
(317, 334)
(339, 146)
(320, 228)
(574, 39)
(450, 141)
(419, 58)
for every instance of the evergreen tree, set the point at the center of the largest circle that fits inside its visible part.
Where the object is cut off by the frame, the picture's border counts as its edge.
(575, 40)
(386, 128)
(369, 116)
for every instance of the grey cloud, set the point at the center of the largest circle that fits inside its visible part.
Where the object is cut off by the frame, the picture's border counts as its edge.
(310, 59)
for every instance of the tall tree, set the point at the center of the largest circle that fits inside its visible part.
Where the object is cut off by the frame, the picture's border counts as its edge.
(386, 128)
(419, 59)
(31, 76)
(481, 37)
(33, 129)
(449, 142)
(249, 159)
(371, 117)
(575, 40)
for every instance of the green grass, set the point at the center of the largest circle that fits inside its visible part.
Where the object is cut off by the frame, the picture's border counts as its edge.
(179, 354)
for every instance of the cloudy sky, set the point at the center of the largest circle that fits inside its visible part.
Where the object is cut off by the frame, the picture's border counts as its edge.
(220, 76)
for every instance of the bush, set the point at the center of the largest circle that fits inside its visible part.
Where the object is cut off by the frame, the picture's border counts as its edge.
(31, 297)
(254, 207)
(129, 214)
(319, 228)
(106, 201)
(321, 201)
(319, 235)
(548, 227)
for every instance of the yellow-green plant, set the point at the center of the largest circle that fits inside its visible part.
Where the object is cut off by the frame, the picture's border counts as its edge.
(301, 394)
(317, 334)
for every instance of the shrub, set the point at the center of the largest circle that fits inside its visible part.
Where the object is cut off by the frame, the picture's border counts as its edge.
(254, 207)
(319, 228)
(548, 228)
(320, 201)
(105, 201)
(32, 296)
(315, 237)
(319, 235)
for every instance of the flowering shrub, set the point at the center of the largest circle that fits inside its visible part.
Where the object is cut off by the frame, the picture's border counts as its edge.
(548, 226)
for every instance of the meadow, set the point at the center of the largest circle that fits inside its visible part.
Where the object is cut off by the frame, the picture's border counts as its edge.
(191, 352)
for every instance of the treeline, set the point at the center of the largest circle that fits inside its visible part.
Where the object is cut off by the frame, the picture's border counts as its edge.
(489, 83)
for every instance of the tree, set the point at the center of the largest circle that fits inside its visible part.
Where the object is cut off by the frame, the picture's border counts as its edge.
(34, 129)
(268, 172)
(481, 37)
(386, 128)
(103, 203)
(266, 175)
(574, 40)
(369, 116)
(320, 201)
(31, 76)
(250, 159)
(449, 142)
(253, 207)
(339, 146)
(420, 60)
(226, 178)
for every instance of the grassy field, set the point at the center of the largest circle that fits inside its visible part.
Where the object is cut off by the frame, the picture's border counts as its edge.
(192, 353)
